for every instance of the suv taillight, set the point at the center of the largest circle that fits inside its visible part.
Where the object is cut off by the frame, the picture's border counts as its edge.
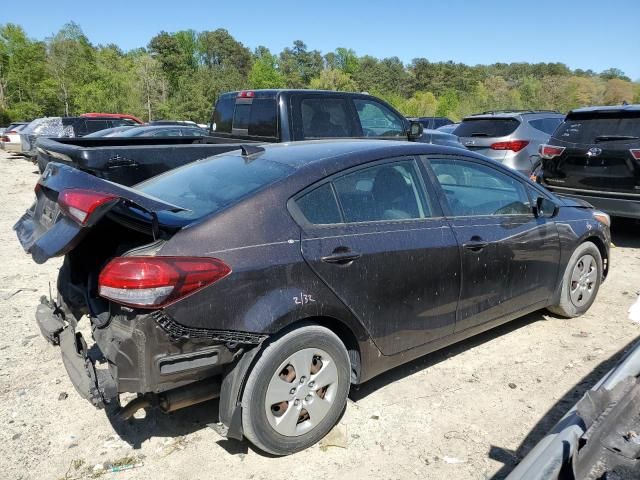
(81, 204)
(4, 138)
(246, 94)
(635, 152)
(151, 282)
(550, 151)
(513, 145)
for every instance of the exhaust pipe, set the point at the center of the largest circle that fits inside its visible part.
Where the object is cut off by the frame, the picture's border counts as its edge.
(173, 400)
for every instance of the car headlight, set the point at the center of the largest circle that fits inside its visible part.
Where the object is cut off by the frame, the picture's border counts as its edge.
(602, 217)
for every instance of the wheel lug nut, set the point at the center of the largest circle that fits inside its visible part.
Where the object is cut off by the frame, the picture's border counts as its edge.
(296, 402)
(308, 398)
(303, 379)
(312, 384)
(292, 391)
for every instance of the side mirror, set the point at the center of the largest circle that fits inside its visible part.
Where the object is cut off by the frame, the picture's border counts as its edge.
(415, 130)
(545, 208)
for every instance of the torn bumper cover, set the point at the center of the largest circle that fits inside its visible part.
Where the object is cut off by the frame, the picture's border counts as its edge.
(96, 385)
(598, 436)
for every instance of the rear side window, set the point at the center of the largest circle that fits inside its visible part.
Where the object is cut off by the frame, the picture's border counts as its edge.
(326, 118)
(95, 125)
(223, 114)
(319, 206)
(546, 125)
(487, 127)
(209, 185)
(599, 129)
(387, 192)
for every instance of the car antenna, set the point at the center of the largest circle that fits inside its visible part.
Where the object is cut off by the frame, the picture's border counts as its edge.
(248, 150)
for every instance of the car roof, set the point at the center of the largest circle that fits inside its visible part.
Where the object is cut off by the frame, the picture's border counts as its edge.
(319, 152)
(608, 109)
(514, 114)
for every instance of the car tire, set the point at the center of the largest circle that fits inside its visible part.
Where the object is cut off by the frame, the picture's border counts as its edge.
(580, 282)
(305, 368)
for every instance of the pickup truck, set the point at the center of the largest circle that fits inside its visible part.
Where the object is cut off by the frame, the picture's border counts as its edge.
(240, 118)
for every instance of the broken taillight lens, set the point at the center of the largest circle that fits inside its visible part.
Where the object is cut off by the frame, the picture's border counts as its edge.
(550, 151)
(150, 282)
(81, 204)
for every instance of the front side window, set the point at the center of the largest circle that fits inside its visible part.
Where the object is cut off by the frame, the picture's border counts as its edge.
(391, 191)
(472, 189)
(377, 120)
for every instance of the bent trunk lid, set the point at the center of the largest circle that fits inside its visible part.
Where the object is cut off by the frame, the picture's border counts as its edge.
(44, 231)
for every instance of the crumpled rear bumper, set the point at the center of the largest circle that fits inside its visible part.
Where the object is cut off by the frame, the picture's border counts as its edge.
(96, 385)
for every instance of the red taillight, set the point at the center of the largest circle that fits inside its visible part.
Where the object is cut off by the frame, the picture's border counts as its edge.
(513, 145)
(4, 138)
(246, 94)
(150, 282)
(635, 152)
(550, 151)
(81, 204)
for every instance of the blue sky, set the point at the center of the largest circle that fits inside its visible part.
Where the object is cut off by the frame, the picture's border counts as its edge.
(583, 34)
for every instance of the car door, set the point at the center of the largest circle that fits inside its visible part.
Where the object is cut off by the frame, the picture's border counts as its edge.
(509, 256)
(379, 241)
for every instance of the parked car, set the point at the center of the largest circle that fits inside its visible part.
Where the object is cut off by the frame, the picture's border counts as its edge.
(65, 127)
(109, 132)
(10, 139)
(450, 128)
(120, 116)
(432, 123)
(248, 116)
(511, 137)
(597, 438)
(277, 276)
(595, 156)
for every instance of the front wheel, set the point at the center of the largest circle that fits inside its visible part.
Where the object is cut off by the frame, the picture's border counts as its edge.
(296, 391)
(580, 282)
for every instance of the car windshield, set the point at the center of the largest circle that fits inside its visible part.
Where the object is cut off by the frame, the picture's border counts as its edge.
(486, 127)
(598, 129)
(208, 185)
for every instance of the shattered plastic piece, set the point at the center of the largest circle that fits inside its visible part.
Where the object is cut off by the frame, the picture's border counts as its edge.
(335, 438)
(634, 312)
(453, 460)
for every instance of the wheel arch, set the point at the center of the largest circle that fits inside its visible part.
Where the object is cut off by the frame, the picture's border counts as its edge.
(604, 252)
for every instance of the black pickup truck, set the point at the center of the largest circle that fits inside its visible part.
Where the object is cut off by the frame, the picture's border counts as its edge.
(240, 118)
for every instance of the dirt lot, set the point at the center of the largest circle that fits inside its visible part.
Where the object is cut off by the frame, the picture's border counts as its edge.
(467, 412)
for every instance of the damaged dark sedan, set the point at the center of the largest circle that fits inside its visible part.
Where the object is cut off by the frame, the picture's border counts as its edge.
(275, 277)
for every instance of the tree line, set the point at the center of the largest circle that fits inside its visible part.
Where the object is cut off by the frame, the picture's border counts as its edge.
(179, 75)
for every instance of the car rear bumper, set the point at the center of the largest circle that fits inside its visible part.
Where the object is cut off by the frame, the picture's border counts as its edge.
(10, 146)
(616, 206)
(131, 353)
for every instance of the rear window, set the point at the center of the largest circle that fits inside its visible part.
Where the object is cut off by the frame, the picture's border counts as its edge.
(262, 120)
(593, 129)
(486, 127)
(207, 186)
(223, 114)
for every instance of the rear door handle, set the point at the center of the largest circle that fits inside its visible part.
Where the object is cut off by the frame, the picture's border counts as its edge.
(475, 244)
(341, 256)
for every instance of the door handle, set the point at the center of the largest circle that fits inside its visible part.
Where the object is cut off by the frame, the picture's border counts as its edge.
(341, 256)
(475, 244)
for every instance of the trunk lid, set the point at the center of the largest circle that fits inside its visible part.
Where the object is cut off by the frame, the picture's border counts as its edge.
(46, 231)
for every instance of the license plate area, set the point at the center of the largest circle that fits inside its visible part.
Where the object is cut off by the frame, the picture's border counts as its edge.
(47, 212)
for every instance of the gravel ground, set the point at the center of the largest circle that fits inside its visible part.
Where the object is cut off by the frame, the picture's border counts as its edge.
(467, 412)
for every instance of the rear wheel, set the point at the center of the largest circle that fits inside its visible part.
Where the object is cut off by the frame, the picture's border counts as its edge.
(580, 282)
(296, 391)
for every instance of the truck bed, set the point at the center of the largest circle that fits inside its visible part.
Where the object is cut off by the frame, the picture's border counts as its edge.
(128, 161)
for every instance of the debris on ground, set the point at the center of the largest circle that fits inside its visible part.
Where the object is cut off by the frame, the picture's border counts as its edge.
(335, 438)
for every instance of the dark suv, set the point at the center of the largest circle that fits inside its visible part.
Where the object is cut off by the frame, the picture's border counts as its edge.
(595, 156)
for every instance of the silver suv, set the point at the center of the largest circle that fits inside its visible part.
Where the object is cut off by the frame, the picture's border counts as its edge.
(511, 137)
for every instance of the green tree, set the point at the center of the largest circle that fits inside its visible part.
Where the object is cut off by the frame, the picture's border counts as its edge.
(264, 72)
(333, 79)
